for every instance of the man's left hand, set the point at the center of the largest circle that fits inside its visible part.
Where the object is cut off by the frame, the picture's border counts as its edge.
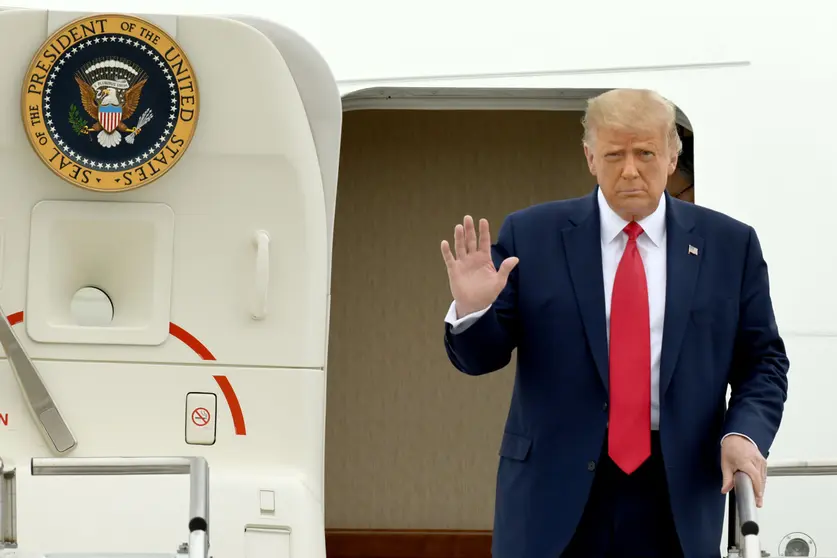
(740, 454)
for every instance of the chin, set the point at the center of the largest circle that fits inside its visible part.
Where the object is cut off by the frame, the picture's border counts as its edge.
(636, 200)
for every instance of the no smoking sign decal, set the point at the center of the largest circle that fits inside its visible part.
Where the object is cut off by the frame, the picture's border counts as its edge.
(200, 416)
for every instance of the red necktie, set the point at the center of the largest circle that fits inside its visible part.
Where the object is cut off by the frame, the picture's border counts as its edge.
(629, 439)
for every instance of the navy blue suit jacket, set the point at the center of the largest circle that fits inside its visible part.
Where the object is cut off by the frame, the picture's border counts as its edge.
(719, 331)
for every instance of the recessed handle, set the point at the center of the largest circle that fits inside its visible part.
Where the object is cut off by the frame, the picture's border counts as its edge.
(262, 242)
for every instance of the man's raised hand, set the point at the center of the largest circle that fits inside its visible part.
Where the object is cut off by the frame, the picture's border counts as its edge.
(474, 281)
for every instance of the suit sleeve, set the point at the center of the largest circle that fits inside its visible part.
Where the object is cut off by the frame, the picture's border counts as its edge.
(487, 344)
(760, 364)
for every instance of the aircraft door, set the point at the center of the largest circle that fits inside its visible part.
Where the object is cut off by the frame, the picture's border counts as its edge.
(164, 278)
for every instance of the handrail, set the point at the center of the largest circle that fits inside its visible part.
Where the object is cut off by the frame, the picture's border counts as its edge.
(802, 468)
(748, 524)
(196, 467)
(744, 526)
(8, 507)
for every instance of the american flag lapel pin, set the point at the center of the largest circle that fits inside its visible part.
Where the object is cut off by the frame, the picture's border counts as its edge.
(692, 250)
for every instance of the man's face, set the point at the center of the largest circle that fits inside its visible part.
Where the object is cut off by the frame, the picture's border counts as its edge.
(632, 168)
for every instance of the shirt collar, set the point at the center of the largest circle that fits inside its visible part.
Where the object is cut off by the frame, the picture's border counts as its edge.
(612, 224)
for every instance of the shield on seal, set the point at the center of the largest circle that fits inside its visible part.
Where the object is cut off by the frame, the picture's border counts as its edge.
(109, 117)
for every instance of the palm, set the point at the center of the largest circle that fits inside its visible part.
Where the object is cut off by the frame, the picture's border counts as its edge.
(473, 276)
(474, 281)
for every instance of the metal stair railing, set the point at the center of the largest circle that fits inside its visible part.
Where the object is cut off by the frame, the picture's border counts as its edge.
(743, 515)
(196, 467)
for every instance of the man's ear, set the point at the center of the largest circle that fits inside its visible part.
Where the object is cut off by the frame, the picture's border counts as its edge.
(588, 154)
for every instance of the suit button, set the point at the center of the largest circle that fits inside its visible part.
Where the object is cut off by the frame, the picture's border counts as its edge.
(591, 465)
(604, 406)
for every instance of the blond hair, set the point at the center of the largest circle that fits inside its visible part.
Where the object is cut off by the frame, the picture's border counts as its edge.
(640, 109)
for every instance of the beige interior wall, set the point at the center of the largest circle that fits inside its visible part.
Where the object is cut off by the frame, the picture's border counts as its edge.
(411, 442)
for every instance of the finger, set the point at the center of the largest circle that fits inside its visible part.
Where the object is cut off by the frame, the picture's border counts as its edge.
(763, 472)
(727, 482)
(459, 241)
(485, 236)
(760, 486)
(470, 235)
(447, 255)
(506, 267)
(754, 473)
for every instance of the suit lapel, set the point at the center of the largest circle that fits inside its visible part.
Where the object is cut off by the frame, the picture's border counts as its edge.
(583, 247)
(684, 252)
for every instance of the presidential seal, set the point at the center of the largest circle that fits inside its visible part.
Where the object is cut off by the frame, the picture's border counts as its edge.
(110, 103)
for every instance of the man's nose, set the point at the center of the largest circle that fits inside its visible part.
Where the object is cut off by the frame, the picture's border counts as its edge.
(629, 171)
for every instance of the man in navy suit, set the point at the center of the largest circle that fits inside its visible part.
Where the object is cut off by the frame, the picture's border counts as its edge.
(631, 312)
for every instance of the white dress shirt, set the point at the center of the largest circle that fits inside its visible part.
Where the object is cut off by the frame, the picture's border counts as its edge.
(652, 248)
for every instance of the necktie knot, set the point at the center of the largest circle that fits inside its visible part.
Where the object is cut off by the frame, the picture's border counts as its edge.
(633, 230)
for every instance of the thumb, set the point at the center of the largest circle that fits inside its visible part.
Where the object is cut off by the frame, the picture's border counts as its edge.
(507, 266)
(728, 483)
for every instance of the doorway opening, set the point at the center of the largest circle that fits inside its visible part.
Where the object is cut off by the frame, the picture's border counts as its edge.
(411, 443)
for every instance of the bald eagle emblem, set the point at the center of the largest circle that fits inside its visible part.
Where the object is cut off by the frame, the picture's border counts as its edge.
(111, 90)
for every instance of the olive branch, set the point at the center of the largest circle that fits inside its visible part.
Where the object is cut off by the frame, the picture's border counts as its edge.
(76, 121)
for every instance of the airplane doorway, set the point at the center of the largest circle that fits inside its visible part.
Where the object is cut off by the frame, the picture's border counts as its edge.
(410, 442)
